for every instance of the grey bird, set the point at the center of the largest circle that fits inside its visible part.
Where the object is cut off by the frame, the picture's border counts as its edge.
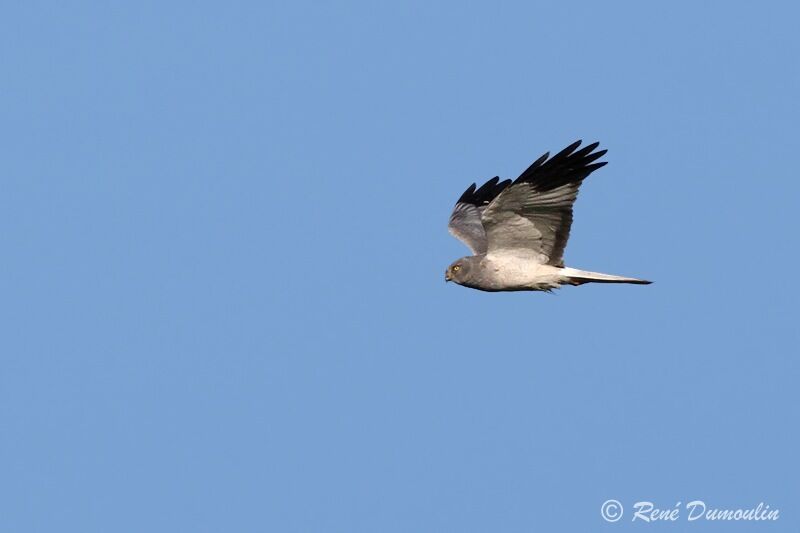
(518, 230)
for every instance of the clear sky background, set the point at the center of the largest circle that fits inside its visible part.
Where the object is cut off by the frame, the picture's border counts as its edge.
(223, 233)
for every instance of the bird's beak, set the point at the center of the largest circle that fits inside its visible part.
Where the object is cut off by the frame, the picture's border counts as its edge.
(447, 276)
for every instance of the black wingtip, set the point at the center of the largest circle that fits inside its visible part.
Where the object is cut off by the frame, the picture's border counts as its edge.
(485, 193)
(568, 150)
(567, 166)
(595, 166)
(586, 150)
(467, 194)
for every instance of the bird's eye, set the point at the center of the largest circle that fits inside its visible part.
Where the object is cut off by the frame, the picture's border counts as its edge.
(456, 268)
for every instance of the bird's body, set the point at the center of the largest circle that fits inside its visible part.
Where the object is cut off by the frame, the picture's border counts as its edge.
(518, 230)
(509, 273)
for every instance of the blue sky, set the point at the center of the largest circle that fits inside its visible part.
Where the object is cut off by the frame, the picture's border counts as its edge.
(224, 238)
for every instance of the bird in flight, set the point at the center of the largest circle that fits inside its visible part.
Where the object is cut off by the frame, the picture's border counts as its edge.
(517, 230)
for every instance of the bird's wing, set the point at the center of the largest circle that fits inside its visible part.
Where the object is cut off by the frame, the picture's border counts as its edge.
(465, 221)
(532, 217)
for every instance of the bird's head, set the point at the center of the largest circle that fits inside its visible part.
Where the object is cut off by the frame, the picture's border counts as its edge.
(459, 271)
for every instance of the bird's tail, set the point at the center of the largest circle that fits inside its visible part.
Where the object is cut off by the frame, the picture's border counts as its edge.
(579, 277)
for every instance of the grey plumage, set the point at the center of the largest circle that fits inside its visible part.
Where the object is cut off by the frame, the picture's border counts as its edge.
(518, 230)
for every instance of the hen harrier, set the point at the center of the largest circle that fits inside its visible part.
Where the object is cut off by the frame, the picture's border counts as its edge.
(518, 230)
